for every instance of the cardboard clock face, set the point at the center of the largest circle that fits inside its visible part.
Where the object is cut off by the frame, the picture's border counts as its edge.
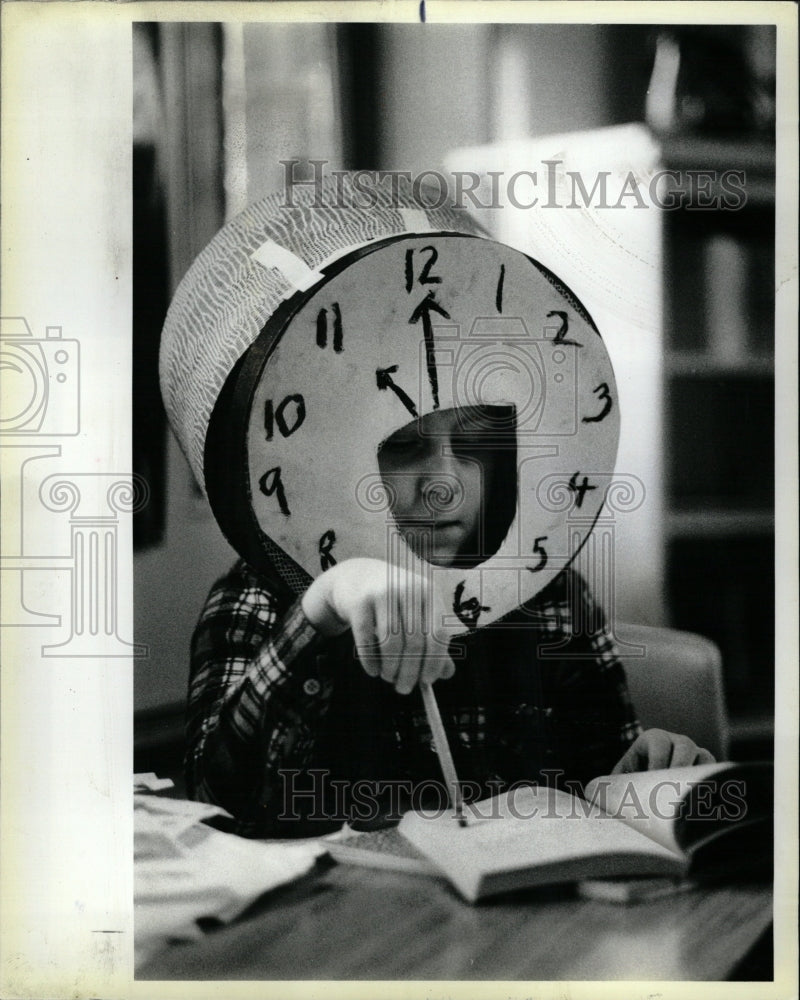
(425, 323)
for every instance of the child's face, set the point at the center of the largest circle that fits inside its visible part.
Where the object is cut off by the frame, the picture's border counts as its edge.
(439, 480)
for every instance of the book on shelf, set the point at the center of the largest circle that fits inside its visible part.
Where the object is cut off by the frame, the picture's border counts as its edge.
(727, 315)
(679, 823)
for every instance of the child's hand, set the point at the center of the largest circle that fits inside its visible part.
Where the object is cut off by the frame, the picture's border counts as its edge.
(657, 748)
(367, 595)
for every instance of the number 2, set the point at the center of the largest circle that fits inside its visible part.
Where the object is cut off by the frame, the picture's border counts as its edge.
(561, 333)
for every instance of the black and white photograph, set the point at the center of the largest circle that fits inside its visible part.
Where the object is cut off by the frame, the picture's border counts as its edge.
(400, 488)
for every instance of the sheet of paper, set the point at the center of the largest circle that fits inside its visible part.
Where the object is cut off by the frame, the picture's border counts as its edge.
(185, 870)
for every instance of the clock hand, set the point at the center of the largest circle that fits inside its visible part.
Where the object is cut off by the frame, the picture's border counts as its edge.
(423, 312)
(383, 376)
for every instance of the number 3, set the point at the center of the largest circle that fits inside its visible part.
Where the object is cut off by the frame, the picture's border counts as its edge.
(602, 393)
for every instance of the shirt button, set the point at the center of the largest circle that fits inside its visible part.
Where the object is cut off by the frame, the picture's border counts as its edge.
(312, 687)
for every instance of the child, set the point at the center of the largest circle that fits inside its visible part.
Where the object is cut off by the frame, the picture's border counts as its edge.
(304, 708)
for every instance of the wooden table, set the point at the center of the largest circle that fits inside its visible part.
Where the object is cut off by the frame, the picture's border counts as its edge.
(344, 922)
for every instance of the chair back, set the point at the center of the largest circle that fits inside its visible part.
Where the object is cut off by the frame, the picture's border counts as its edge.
(675, 681)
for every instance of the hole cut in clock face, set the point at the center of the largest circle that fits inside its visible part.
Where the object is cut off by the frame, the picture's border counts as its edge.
(451, 482)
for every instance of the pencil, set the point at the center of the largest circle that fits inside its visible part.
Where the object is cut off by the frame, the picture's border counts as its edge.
(443, 752)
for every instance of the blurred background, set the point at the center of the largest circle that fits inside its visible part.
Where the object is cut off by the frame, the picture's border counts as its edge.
(683, 296)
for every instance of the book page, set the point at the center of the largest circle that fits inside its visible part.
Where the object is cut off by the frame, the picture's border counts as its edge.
(541, 833)
(657, 803)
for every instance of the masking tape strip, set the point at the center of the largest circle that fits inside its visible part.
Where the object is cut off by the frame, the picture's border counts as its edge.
(299, 275)
(415, 220)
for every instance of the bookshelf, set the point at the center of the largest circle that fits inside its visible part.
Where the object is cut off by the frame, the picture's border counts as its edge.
(719, 417)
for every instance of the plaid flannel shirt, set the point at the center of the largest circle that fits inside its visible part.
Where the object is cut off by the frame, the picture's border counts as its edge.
(270, 701)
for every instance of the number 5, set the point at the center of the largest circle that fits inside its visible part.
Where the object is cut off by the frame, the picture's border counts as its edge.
(539, 550)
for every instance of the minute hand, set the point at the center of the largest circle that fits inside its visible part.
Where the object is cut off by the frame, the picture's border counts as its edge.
(423, 311)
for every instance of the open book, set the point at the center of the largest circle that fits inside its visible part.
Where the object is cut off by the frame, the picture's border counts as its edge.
(698, 820)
